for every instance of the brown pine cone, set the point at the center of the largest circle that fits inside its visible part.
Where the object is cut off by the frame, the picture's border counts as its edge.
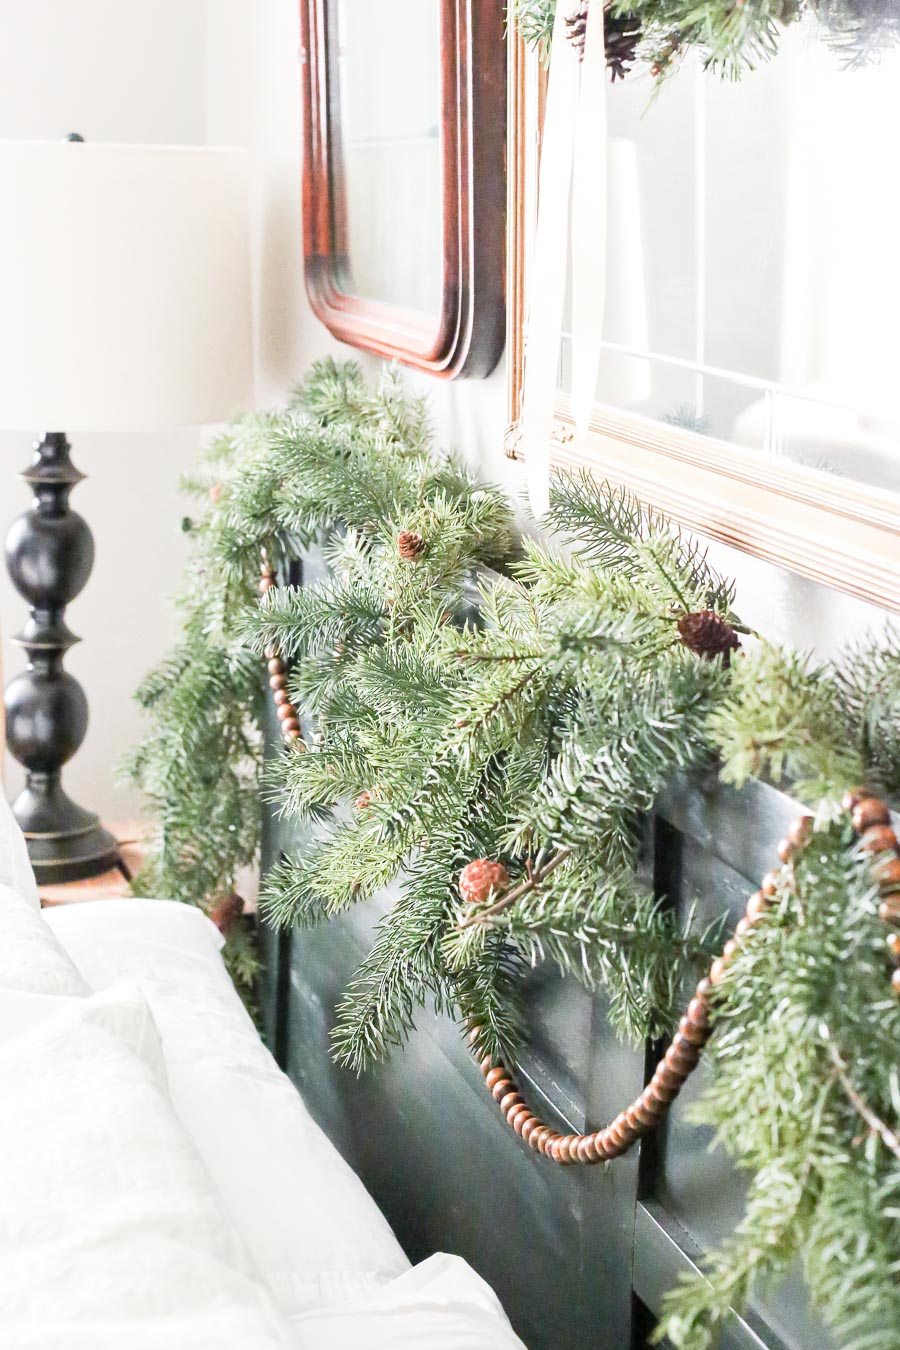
(621, 35)
(481, 879)
(226, 912)
(708, 635)
(410, 545)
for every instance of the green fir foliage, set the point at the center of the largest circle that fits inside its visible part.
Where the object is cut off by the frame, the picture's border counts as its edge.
(729, 38)
(490, 699)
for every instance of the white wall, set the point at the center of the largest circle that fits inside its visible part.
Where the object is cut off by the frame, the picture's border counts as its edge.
(131, 71)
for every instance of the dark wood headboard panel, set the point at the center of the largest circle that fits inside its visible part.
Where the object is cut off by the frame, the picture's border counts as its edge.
(579, 1256)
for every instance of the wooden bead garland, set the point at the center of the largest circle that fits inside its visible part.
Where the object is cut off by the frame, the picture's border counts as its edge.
(288, 719)
(871, 821)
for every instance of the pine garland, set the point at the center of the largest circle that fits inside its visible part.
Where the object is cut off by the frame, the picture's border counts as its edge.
(535, 733)
(731, 38)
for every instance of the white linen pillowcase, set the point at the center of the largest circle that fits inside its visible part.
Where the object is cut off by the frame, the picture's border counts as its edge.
(441, 1304)
(112, 1233)
(31, 957)
(16, 871)
(311, 1227)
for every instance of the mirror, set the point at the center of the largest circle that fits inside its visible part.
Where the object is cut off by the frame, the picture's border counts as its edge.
(386, 170)
(753, 270)
(746, 374)
(404, 130)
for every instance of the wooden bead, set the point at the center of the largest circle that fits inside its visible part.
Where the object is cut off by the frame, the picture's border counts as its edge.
(868, 812)
(644, 1114)
(786, 850)
(742, 928)
(878, 839)
(501, 1087)
(587, 1149)
(730, 950)
(681, 1043)
(529, 1127)
(293, 734)
(895, 983)
(893, 946)
(704, 988)
(517, 1118)
(698, 1012)
(717, 970)
(887, 873)
(276, 666)
(889, 910)
(538, 1136)
(691, 1032)
(800, 831)
(849, 800)
(677, 1071)
(285, 711)
(567, 1149)
(756, 906)
(619, 1133)
(486, 1065)
(665, 1094)
(494, 1076)
(290, 723)
(666, 1076)
(277, 681)
(280, 697)
(769, 883)
(508, 1101)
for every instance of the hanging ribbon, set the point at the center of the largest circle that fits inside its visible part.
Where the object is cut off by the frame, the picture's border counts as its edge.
(589, 221)
(548, 279)
(574, 133)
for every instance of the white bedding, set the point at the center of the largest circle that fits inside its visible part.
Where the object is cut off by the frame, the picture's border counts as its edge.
(324, 1250)
(111, 1233)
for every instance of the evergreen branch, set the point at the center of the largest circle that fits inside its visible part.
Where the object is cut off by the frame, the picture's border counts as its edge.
(890, 1139)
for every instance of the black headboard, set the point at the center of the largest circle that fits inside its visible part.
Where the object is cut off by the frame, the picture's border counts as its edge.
(580, 1257)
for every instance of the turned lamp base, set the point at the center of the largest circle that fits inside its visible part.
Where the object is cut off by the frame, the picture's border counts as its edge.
(65, 842)
(49, 553)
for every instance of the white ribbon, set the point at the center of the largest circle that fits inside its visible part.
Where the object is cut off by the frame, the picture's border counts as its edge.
(574, 133)
(589, 221)
(547, 283)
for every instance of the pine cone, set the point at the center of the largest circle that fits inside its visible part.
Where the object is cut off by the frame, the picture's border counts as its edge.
(480, 879)
(708, 635)
(621, 35)
(410, 545)
(227, 912)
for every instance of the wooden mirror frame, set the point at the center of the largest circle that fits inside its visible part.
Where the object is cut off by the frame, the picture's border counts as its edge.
(843, 534)
(467, 336)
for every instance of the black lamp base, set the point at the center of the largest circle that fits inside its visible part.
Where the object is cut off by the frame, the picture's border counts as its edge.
(65, 842)
(50, 553)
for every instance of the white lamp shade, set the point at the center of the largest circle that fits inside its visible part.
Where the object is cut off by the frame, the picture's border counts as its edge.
(124, 286)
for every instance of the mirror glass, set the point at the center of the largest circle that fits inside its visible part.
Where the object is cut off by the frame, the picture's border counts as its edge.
(385, 150)
(753, 278)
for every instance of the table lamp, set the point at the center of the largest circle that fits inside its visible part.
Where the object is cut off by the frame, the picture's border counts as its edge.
(124, 306)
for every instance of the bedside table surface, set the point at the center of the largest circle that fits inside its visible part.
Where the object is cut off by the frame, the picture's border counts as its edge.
(110, 885)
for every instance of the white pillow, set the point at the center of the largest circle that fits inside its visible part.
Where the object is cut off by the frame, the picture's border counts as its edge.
(440, 1304)
(313, 1230)
(15, 865)
(111, 1233)
(31, 957)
